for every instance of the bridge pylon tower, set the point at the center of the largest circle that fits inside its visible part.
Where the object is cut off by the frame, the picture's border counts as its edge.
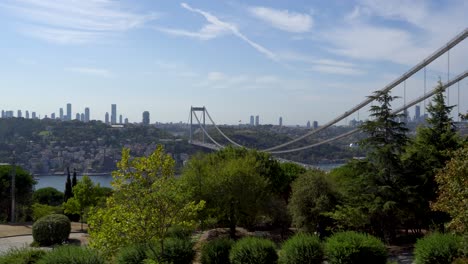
(193, 111)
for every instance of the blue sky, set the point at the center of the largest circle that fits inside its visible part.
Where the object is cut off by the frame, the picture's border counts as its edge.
(302, 60)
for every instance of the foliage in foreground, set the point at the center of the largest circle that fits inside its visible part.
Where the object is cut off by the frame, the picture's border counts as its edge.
(301, 248)
(51, 229)
(313, 194)
(253, 250)
(352, 248)
(146, 201)
(216, 251)
(72, 255)
(22, 256)
(41, 210)
(453, 190)
(48, 196)
(437, 249)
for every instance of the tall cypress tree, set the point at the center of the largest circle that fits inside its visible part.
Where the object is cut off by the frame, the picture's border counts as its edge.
(74, 178)
(68, 187)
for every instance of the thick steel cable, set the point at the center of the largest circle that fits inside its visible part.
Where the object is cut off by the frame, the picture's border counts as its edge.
(457, 39)
(206, 133)
(421, 98)
(221, 132)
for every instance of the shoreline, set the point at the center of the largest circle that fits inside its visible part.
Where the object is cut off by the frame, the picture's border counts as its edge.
(71, 174)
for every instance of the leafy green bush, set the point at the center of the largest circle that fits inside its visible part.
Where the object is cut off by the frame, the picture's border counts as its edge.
(178, 251)
(51, 229)
(351, 247)
(181, 232)
(72, 255)
(253, 250)
(216, 251)
(134, 254)
(437, 248)
(41, 210)
(301, 248)
(48, 196)
(22, 256)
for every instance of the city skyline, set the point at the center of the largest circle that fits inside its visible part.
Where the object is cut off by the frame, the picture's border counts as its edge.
(297, 59)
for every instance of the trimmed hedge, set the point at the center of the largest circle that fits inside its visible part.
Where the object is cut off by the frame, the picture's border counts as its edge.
(51, 229)
(253, 250)
(22, 256)
(216, 251)
(301, 248)
(437, 248)
(72, 255)
(352, 248)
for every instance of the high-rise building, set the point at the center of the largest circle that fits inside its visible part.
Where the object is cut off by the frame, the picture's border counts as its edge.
(146, 118)
(86, 114)
(33, 115)
(281, 121)
(106, 119)
(19, 114)
(61, 113)
(126, 120)
(52, 116)
(252, 121)
(27, 114)
(82, 117)
(69, 111)
(120, 119)
(417, 113)
(114, 114)
(315, 124)
(308, 124)
(257, 120)
(78, 116)
(3, 113)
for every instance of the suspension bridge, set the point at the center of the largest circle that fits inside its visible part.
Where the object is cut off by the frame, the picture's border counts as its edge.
(280, 149)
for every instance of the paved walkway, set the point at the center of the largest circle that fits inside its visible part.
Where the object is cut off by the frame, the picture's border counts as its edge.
(8, 243)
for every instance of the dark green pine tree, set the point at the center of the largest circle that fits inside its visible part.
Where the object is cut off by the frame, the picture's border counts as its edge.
(68, 187)
(74, 181)
(428, 153)
(385, 182)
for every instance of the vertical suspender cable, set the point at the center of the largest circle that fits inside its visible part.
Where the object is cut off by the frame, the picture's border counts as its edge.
(424, 92)
(448, 77)
(458, 102)
(404, 102)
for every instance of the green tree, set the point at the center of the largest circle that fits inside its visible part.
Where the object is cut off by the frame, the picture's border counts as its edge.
(235, 183)
(453, 190)
(313, 195)
(74, 180)
(68, 187)
(84, 197)
(386, 180)
(428, 153)
(48, 196)
(146, 201)
(24, 183)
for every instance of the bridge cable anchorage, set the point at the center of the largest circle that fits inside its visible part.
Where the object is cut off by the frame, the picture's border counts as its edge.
(221, 132)
(410, 104)
(452, 43)
(206, 133)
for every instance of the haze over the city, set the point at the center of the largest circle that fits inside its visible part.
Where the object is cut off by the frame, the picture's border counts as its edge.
(301, 60)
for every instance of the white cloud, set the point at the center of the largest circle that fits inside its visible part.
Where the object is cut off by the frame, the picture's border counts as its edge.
(336, 70)
(215, 28)
(283, 19)
(90, 71)
(329, 66)
(71, 21)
